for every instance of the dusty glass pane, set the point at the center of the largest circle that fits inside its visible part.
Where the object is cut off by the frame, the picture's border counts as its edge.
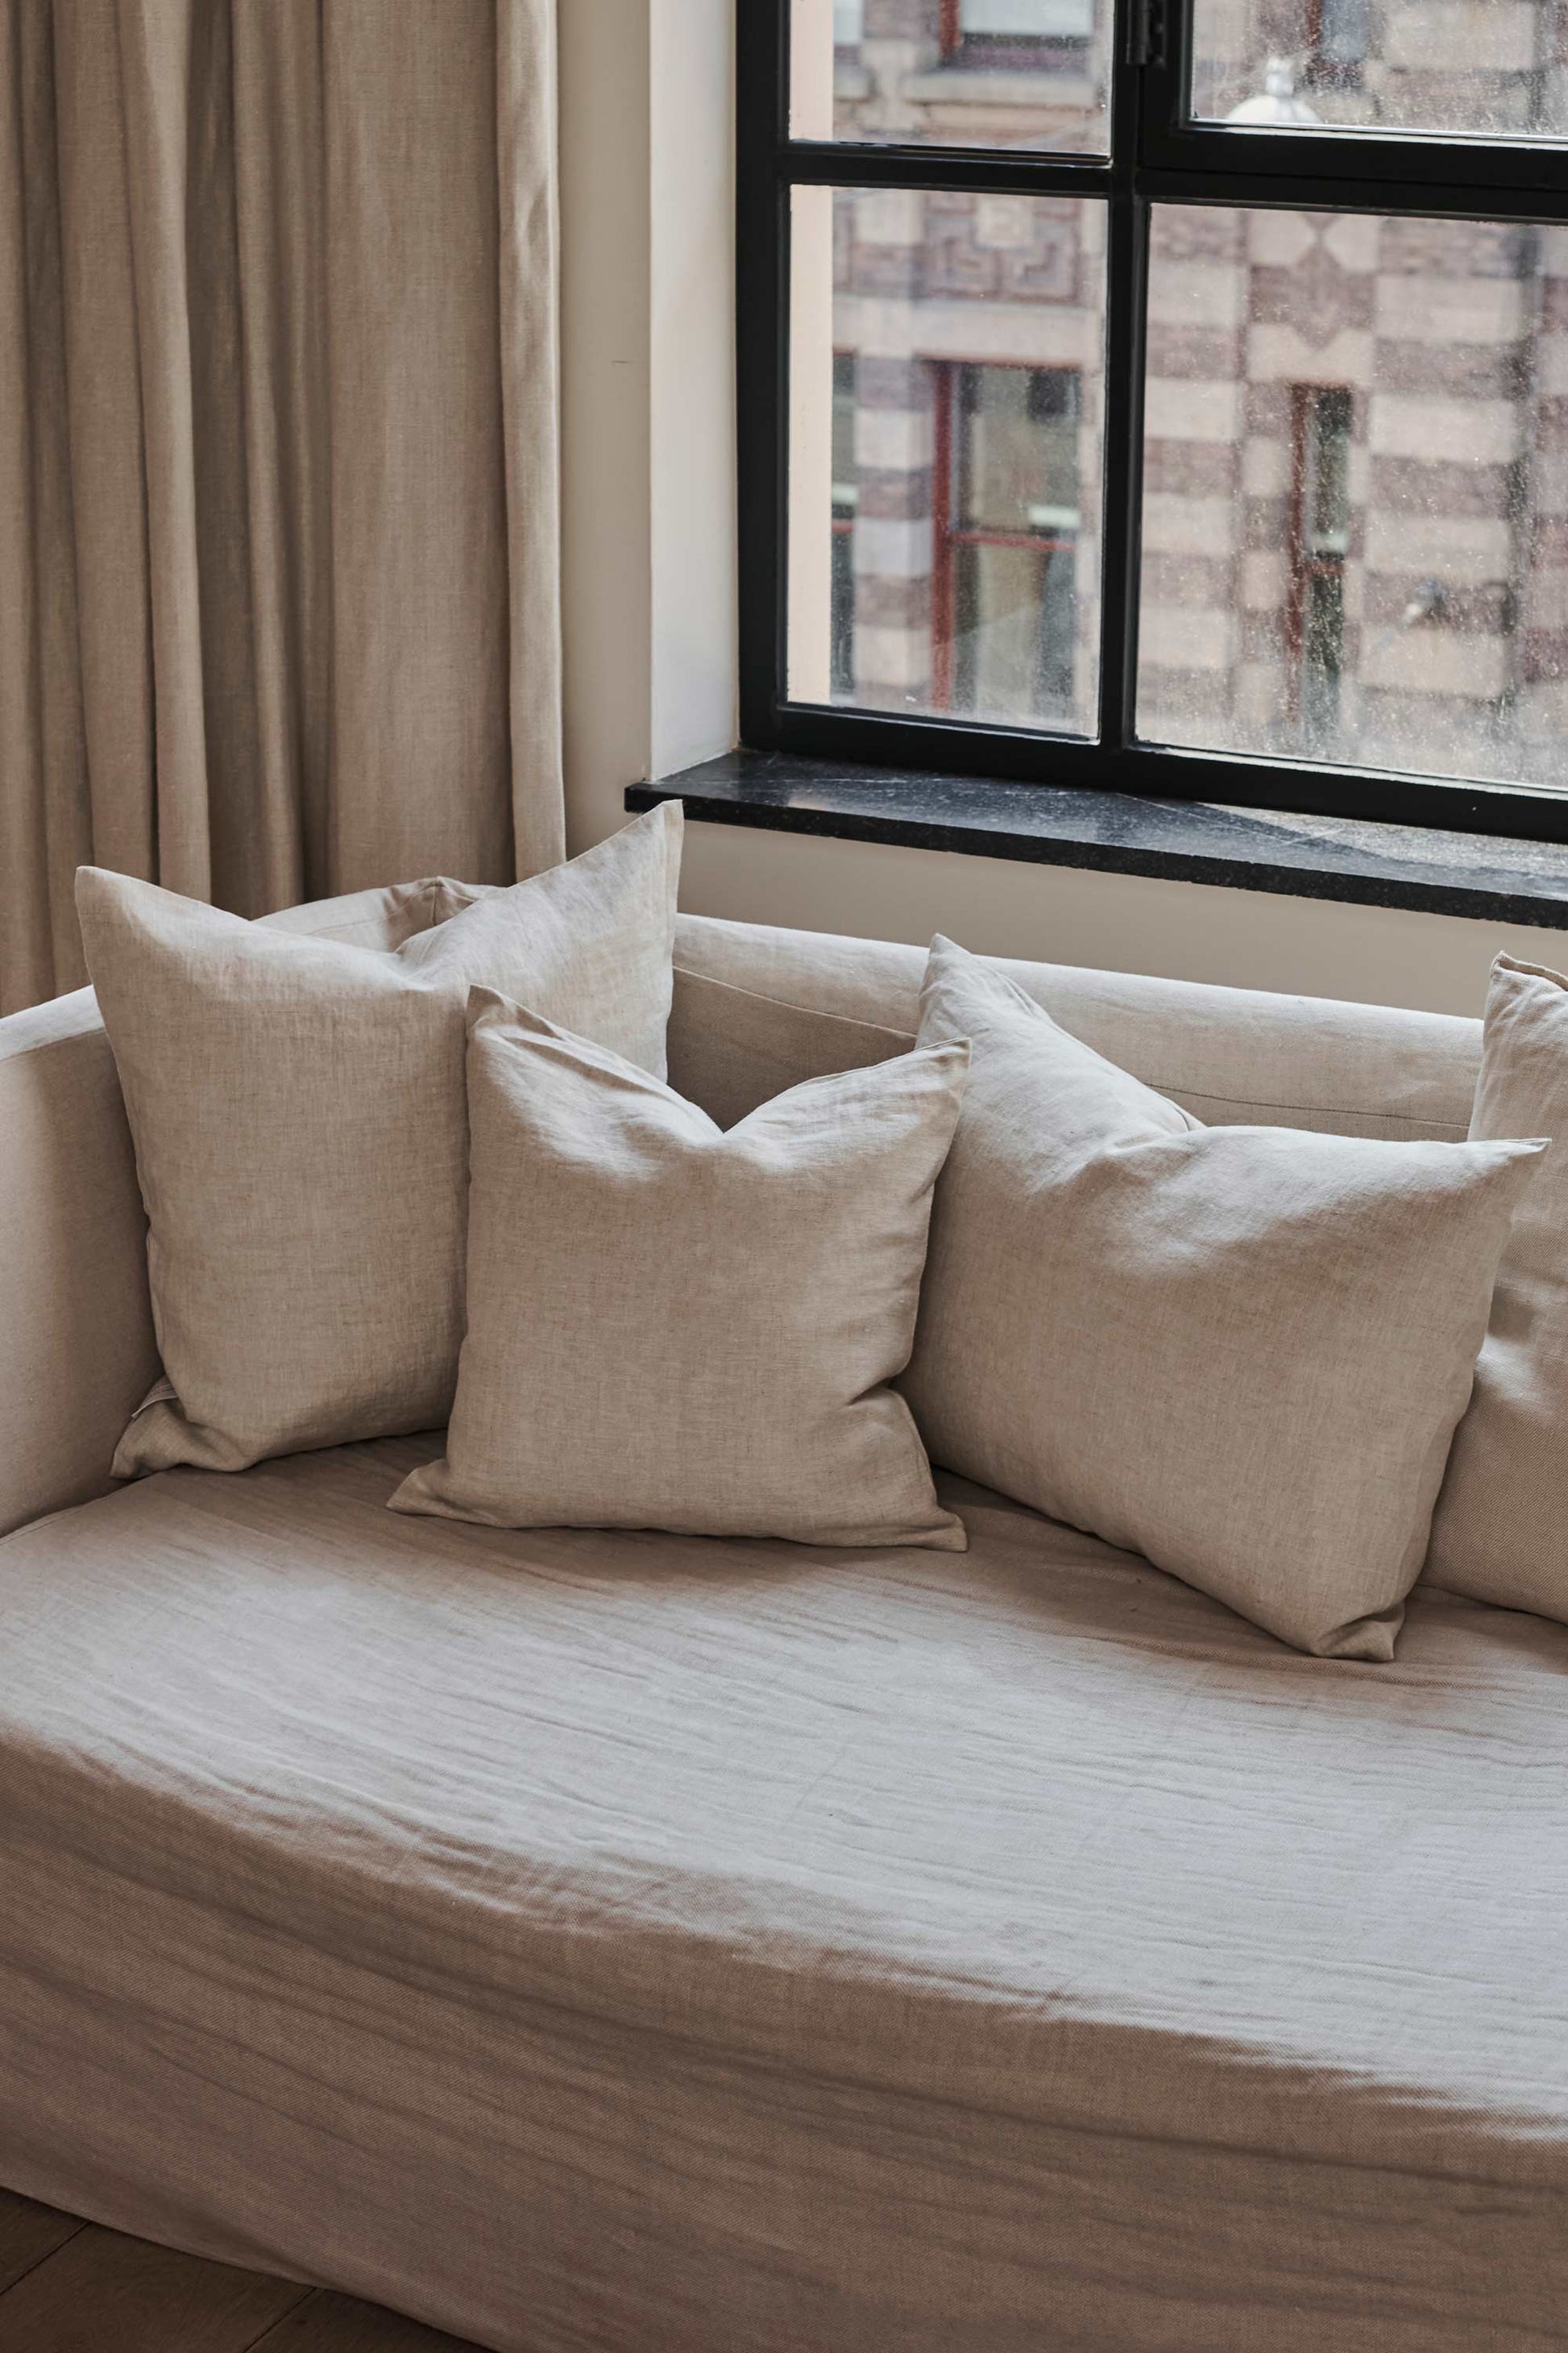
(1487, 68)
(945, 429)
(1355, 491)
(971, 73)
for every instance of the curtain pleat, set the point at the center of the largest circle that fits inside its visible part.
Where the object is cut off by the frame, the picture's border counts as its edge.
(279, 522)
(43, 825)
(530, 409)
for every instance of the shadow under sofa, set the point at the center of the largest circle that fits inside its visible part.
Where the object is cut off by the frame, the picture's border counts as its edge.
(628, 1941)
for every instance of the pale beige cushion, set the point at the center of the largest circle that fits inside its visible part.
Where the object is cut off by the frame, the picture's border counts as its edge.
(78, 1348)
(299, 1114)
(1239, 1351)
(674, 1327)
(732, 1049)
(1500, 1531)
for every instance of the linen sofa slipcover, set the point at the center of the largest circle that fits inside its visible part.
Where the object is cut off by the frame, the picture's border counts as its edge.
(628, 1941)
(672, 1947)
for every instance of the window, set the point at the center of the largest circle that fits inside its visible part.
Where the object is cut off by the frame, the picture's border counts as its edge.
(982, 32)
(1319, 543)
(845, 499)
(1336, 36)
(1163, 395)
(1004, 622)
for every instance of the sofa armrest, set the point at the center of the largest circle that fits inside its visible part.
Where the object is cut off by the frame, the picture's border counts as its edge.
(77, 1350)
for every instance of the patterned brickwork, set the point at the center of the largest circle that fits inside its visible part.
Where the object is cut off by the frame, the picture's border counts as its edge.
(1436, 350)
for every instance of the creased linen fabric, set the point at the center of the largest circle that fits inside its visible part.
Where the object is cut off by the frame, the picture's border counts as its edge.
(673, 1328)
(618, 1940)
(1239, 1351)
(302, 1138)
(1501, 1530)
(277, 452)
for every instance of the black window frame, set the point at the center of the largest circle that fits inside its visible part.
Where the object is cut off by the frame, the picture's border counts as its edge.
(1158, 157)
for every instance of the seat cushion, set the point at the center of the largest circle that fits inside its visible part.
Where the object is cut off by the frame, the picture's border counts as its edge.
(652, 1942)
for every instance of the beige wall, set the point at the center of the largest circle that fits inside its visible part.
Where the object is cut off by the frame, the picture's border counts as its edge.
(1125, 923)
(647, 397)
(649, 583)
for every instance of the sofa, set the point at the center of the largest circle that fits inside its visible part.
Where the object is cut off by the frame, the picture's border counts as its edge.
(620, 1940)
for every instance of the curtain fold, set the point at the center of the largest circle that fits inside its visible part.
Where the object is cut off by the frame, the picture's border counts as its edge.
(278, 507)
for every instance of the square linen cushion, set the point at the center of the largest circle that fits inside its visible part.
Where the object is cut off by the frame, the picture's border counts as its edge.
(674, 1327)
(1500, 1531)
(301, 1124)
(1239, 1351)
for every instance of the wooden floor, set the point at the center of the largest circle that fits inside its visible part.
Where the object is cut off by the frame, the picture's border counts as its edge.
(68, 2287)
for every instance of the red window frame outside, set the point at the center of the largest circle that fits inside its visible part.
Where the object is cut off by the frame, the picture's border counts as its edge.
(1305, 566)
(1320, 72)
(952, 38)
(949, 535)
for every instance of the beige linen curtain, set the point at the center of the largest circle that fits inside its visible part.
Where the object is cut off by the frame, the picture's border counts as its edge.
(278, 564)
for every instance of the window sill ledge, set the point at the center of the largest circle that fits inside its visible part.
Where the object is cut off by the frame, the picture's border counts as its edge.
(1478, 876)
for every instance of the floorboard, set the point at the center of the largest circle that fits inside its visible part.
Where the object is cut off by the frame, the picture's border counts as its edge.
(70, 2286)
(101, 2290)
(342, 2324)
(27, 2233)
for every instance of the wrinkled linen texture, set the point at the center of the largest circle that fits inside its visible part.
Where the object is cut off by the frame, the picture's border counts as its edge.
(1241, 1350)
(731, 1947)
(300, 1128)
(670, 1326)
(1500, 1531)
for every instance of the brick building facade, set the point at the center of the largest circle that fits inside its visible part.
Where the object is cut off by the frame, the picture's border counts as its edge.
(1355, 517)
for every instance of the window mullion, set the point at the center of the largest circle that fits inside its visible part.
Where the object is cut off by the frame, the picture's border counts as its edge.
(1125, 336)
(1126, 311)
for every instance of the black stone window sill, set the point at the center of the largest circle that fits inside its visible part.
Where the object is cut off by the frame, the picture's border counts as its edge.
(1118, 833)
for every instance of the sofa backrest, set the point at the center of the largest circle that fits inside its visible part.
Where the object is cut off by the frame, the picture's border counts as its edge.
(77, 1346)
(1234, 1057)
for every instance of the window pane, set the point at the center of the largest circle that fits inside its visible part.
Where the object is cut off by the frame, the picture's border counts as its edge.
(971, 73)
(945, 454)
(1355, 491)
(1490, 69)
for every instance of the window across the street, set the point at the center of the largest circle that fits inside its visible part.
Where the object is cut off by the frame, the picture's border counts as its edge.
(1173, 399)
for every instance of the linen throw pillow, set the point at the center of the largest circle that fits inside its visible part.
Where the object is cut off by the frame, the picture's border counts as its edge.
(1500, 1532)
(671, 1326)
(300, 1127)
(1239, 1351)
